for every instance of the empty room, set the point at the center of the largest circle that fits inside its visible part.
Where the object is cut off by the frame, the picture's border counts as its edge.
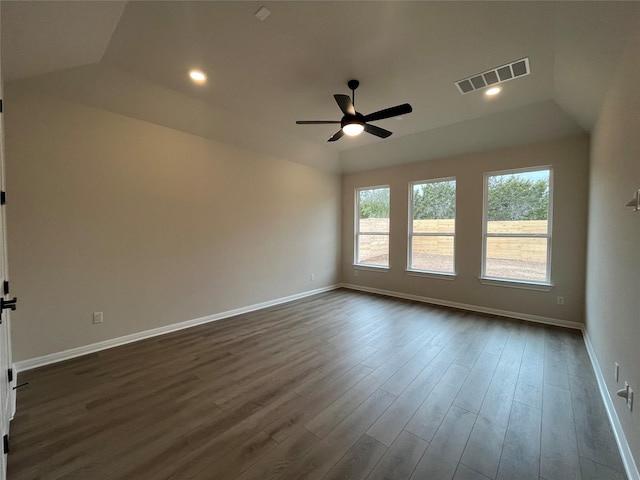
(320, 240)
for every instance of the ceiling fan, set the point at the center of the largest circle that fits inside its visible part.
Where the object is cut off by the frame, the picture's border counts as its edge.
(353, 122)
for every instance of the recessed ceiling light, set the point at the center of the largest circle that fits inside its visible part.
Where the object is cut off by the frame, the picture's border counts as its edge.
(492, 91)
(198, 76)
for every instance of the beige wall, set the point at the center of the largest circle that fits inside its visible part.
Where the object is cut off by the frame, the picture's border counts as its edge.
(613, 273)
(150, 225)
(569, 158)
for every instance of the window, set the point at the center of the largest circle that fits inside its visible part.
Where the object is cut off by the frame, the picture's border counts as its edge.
(517, 225)
(432, 230)
(372, 226)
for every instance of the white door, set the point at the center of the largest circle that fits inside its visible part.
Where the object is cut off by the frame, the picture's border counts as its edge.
(6, 390)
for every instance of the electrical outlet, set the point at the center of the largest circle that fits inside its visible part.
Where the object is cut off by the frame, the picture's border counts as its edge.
(560, 300)
(312, 277)
(97, 317)
(616, 371)
(355, 273)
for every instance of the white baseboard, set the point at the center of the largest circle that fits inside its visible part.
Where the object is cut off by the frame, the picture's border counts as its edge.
(625, 451)
(31, 363)
(474, 308)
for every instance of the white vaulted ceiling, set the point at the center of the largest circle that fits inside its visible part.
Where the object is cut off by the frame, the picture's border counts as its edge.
(263, 76)
(48, 36)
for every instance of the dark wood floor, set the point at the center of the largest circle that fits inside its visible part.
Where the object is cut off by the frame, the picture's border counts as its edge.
(342, 385)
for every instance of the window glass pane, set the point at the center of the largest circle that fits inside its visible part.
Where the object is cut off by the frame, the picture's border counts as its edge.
(373, 250)
(519, 226)
(433, 211)
(518, 197)
(373, 217)
(373, 203)
(434, 200)
(518, 204)
(433, 253)
(377, 225)
(517, 258)
(445, 225)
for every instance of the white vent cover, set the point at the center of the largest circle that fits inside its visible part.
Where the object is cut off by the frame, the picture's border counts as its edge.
(504, 73)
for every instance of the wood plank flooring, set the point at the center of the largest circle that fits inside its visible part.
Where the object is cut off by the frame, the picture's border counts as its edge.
(342, 385)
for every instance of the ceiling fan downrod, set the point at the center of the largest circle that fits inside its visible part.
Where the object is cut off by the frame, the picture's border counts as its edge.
(353, 84)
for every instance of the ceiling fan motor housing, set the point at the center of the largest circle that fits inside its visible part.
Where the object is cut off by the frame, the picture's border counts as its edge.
(349, 119)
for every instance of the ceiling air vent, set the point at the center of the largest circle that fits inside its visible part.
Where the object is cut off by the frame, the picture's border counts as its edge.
(504, 73)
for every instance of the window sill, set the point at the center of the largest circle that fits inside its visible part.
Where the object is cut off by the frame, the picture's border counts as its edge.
(371, 268)
(540, 286)
(438, 275)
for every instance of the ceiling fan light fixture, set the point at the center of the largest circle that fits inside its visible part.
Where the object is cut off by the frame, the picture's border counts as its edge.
(352, 129)
(198, 76)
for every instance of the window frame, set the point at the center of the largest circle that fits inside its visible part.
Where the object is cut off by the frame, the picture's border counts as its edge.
(357, 233)
(545, 285)
(410, 233)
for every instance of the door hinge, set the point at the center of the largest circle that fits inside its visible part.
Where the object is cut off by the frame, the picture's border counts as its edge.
(10, 375)
(5, 287)
(3, 198)
(7, 305)
(0, 105)
(5, 444)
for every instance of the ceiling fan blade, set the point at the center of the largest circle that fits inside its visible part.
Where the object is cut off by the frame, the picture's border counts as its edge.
(377, 131)
(344, 102)
(388, 112)
(336, 136)
(316, 122)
